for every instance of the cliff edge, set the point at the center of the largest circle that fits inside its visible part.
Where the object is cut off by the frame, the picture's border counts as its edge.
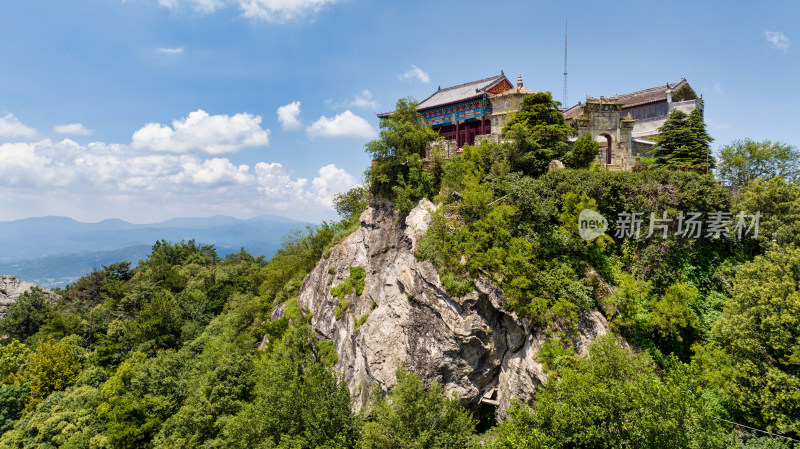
(470, 344)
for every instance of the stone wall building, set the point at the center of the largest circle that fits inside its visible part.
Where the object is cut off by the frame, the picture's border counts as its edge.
(625, 124)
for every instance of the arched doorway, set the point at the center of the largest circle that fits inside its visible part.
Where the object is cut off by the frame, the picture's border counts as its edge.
(605, 138)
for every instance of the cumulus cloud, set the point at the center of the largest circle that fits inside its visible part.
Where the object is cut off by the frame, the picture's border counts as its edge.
(11, 127)
(331, 180)
(170, 51)
(75, 129)
(212, 172)
(212, 134)
(22, 165)
(103, 179)
(416, 72)
(277, 184)
(289, 116)
(270, 10)
(345, 124)
(778, 39)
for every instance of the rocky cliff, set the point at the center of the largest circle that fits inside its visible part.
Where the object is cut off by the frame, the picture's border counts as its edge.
(469, 344)
(11, 288)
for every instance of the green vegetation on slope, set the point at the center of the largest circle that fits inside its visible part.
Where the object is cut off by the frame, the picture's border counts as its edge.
(164, 355)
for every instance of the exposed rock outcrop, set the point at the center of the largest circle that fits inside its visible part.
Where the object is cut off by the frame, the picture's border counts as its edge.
(470, 344)
(11, 288)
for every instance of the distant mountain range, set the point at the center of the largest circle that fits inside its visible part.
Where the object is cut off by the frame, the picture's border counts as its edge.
(55, 251)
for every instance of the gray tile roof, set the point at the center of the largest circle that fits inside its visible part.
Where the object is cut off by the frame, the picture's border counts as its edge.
(650, 95)
(461, 92)
(639, 97)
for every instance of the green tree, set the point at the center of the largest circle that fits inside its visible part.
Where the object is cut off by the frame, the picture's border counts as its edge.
(14, 357)
(413, 416)
(760, 329)
(683, 141)
(583, 152)
(24, 317)
(132, 414)
(778, 202)
(397, 171)
(743, 160)
(614, 398)
(538, 134)
(684, 93)
(349, 205)
(54, 366)
(12, 403)
(66, 419)
(298, 401)
(223, 392)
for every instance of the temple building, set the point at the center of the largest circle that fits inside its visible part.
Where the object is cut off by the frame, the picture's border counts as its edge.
(625, 124)
(650, 107)
(464, 112)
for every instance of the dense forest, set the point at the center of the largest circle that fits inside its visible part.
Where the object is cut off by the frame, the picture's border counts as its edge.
(182, 351)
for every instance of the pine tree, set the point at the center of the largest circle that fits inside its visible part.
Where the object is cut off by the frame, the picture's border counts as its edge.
(683, 141)
(701, 140)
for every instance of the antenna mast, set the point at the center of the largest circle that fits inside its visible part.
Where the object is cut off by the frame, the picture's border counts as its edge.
(565, 64)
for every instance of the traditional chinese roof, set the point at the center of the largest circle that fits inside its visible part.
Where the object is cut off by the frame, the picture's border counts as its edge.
(462, 92)
(639, 97)
(573, 111)
(520, 89)
(650, 95)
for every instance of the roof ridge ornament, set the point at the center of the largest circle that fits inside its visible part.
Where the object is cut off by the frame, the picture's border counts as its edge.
(519, 80)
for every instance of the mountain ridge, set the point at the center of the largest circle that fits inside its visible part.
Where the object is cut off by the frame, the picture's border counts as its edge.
(53, 251)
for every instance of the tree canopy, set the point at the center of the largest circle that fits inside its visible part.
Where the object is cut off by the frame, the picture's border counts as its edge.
(683, 141)
(397, 172)
(743, 160)
(538, 133)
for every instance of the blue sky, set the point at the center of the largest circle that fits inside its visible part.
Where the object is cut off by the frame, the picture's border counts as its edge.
(150, 109)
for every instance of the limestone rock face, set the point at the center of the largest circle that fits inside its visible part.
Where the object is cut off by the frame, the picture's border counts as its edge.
(11, 288)
(469, 344)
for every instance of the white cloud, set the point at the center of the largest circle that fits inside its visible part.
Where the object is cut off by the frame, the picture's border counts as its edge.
(362, 99)
(416, 72)
(345, 124)
(212, 172)
(212, 134)
(170, 51)
(778, 39)
(200, 6)
(22, 165)
(277, 184)
(270, 10)
(75, 129)
(11, 127)
(331, 180)
(103, 180)
(288, 116)
(281, 10)
(718, 88)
